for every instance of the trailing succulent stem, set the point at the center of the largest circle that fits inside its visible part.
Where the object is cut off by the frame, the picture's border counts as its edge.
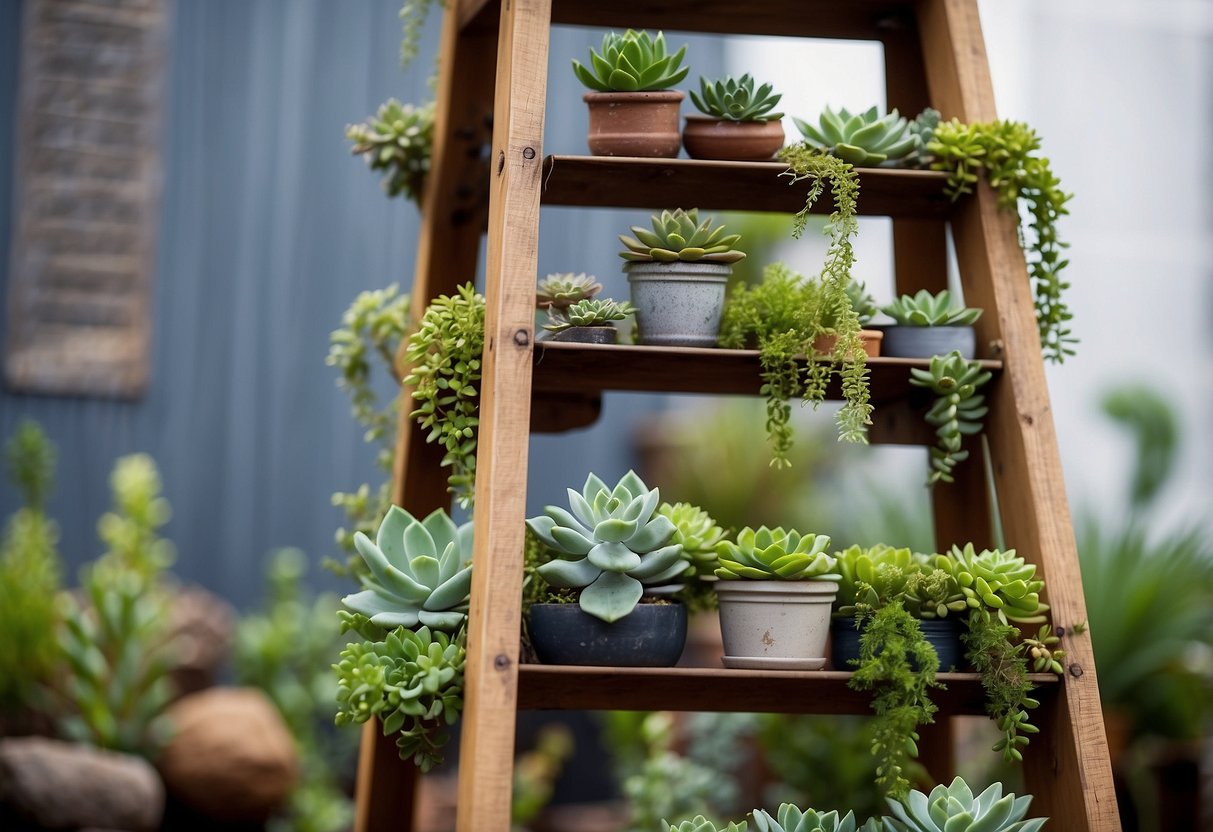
(990, 647)
(957, 411)
(444, 355)
(1006, 153)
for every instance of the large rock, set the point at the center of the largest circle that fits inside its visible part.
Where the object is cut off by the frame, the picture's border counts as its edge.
(231, 757)
(48, 784)
(202, 626)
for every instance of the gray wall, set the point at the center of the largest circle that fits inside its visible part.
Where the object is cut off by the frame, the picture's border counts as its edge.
(269, 228)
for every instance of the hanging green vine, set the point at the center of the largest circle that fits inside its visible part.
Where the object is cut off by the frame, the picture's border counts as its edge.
(1005, 152)
(445, 354)
(990, 645)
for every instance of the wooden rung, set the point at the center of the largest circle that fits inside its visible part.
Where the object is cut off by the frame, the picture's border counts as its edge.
(654, 184)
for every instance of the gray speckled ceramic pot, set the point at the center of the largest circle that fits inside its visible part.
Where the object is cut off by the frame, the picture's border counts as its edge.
(926, 341)
(678, 304)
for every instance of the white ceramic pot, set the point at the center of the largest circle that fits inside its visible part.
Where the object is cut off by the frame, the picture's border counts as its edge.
(678, 304)
(775, 624)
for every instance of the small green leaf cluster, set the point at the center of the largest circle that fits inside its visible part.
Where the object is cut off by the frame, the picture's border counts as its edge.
(1005, 152)
(925, 309)
(954, 808)
(775, 555)
(872, 576)
(848, 359)
(792, 819)
(866, 138)
(678, 235)
(444, 355)
(397, 140)
(735, 99)
(612, 545)
(420, 572)
(596, 312)
(412, 681)
(559, 291)
(632, 62)
(375, 324)
(957, 411)
(131, 530)
(861, 301)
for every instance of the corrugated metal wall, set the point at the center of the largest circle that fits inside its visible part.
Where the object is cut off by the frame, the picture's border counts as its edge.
(269, 228)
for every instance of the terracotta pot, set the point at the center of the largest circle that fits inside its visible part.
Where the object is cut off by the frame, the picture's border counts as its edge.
(732, 141)
(870, 338)
(634, 123)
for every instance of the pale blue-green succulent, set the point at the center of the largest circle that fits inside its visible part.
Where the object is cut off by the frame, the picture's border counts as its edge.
(613, 545)
(792, 819)
(953, 808)
(420, 572)
(866, 138)
(701, 824)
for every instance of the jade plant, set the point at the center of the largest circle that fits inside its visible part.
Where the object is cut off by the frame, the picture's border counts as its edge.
(411, 681)
(792, 819)
(679, 235)
(954, 808)
(866, 138)
(444, 356)
(775, 554)
(735, 99)
(632, 62)
(612, 546)
(420, 572)
(596, 312)
(957, 411)
(1007, 154)
(560, 291)
(397, 140)
(925, 309)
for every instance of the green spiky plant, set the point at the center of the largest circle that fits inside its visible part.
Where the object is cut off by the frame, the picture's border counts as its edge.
(926, 309)
(397, 140)
(698, 535)
(679, 235)
(373, 327)
(954, 808)
(444, 355)
(29, 577)
(775, 555)
(735, 99)
(957, 411)
(560, 291)
(612, 546)
(596, 312)
(1006, 154)
(131, 530)
(866, 138)
(632, 62)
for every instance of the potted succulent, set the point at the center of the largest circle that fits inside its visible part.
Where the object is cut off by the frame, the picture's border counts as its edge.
(737, 123)
(612, 549)
(929, 325)
(562, 290)
(775, 589)
(865, 139)
(633, 111)
(677, 273)
(588, 321)
(954, 808)
(957, 411)
(792, 819)
(864, 306)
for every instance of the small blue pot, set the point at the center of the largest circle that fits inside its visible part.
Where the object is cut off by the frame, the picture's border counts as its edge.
(943, 634)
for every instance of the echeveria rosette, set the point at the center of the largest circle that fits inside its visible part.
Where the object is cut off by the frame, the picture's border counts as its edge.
(775, 555)
(612, 545)
(926, 309)
(698, 534)
(701, 824)
(792, 819)
(866, 138)
(997, 580)
(871, 575)
(420, 572)
(632, 62)
(953, 808)
(680, 235)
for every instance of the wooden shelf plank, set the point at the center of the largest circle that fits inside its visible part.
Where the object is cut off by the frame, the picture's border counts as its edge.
(710, 689)
(852, 20)
(654, 184)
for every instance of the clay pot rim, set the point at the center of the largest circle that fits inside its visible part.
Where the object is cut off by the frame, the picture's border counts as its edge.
(700, 118)
(645, 96)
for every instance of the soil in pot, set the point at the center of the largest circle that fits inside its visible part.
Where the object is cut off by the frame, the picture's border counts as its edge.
(732, 141)
(587, 335)
(775, 624)
(870, 339)
(678, 304)
(634, 123)
(651, 635)
(942, 633)
(926, 341)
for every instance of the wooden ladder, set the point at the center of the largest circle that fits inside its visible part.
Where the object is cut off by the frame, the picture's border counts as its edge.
(494, 65)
